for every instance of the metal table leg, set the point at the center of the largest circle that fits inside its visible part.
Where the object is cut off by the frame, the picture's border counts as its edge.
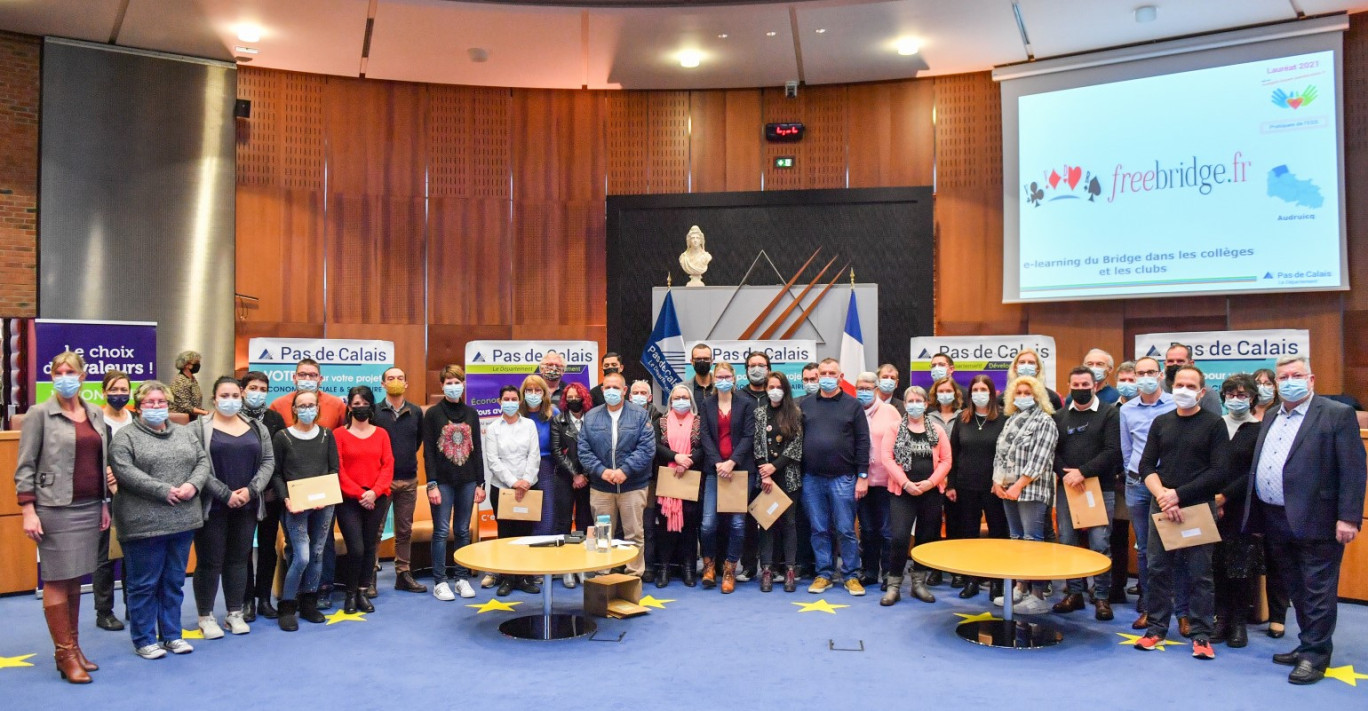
(548, 625)
(1007, 632)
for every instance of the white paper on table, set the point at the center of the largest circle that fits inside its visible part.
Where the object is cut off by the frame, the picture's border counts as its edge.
(533, 540)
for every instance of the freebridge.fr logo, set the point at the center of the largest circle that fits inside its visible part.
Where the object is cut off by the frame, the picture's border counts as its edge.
(1073, 183)
(1296, 99)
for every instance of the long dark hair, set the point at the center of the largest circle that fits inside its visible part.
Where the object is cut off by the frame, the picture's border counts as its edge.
(789, 421)
(366, 394)
(968, 414)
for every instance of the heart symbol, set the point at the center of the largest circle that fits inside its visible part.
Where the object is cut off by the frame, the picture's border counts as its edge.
(1295, 102)
(1075, 174)
(1054, 179)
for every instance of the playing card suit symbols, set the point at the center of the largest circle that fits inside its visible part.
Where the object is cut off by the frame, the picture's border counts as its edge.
(1054, 179)
(1075, 175)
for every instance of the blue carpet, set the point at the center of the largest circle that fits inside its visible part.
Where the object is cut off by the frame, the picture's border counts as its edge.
(703, 650)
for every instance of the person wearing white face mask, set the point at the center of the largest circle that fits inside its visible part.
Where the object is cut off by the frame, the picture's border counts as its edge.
(809, 380)
(1023, 474)
(261, 577)
(1137, 415)
(1178, 356)
(1185, 463)
(1306, 495)
(1027, 363)
(915, 452)
(943, 368)
(241, 461)
(888, 386)
(616, 449)
(876, 556)
(778, 458)
(453, 458)
(757, 367)
(639, 394)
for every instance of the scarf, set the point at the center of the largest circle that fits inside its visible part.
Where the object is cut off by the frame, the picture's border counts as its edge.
(679, 435)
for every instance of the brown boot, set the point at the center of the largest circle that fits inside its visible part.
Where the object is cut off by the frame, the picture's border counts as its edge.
(74, 608)
(59, 626)
(709, 574)
(728, 577)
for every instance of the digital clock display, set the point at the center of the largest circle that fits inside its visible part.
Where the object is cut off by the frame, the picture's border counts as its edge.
(790, 132)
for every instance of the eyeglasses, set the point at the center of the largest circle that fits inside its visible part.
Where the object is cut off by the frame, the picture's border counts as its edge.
(1284, 377)
(1146, 373)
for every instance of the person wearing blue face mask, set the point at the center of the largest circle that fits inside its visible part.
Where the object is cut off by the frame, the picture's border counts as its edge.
(162, 470)
(1279, 599)
(261, 577)
(678, 450)
(538, 407)
(727, 424)
(1100, 363)
(60, 481)
(1023, 475)
(513, 458)
(1137, 416)
(453, 459)
(308, 377)
(616, 449)
(1266, 382)
(1126, 386)
(809, 380)
(1306, 495)
(887, 390)
(1121, 529)
(915, 452)
(1027, 363)
(302, 451)
(876, 555)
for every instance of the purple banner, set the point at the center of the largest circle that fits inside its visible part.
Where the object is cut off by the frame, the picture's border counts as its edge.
(104, 345)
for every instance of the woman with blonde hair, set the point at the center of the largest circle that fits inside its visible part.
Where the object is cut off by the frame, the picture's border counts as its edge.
(1027, 363)
(1023, 472)
(538, 407)
(60, 481)
(678, 448)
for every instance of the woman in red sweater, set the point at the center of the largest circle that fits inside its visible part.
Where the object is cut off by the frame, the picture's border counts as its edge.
(366, 468)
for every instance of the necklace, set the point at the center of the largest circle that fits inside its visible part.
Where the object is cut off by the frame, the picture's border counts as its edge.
(981, 422)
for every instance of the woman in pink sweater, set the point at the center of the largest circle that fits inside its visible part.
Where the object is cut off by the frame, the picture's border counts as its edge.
(916, 456)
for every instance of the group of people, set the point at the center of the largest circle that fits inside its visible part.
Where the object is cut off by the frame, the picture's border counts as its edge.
(870, 473)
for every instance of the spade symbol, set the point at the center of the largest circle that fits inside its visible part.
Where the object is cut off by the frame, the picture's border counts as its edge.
(1094, 189)
(1034, 194)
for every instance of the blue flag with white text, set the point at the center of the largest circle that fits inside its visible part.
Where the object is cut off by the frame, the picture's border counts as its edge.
(664, 355)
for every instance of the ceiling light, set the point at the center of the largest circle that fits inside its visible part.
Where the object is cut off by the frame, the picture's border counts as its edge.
(249, 33)
(1146, 13)
(722, 36)
(821, 30)
(246, 50)
(242, 60)
(478, 54)
(689, 58)
(771, 33)
(908, 47)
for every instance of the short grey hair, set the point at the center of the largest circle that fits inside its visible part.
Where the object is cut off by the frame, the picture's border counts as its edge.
(915, 390)
(688, 392)
(185, 358)
(867, 377)
(647, 383)
(1126, 367)
(1111, 362)
(1294, 358)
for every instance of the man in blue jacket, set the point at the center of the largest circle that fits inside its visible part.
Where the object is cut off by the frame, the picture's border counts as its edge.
(616, 449)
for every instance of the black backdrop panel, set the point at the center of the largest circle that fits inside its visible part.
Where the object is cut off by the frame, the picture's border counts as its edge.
(886, 234)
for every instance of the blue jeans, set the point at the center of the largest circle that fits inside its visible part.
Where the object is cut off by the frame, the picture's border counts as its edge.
(830, 505)
(1098, 540)
(1138, 500)
(456, 500)
(309, 532)
(155, 578)
(1026, 521)
(735, 523)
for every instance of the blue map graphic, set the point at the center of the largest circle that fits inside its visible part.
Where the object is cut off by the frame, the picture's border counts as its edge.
(1285, 185)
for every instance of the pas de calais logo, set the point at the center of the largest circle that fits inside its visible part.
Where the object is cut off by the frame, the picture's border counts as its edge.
(1072, 184)
(1294, 100)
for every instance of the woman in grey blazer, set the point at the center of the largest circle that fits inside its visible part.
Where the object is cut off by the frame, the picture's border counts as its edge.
(61, 487)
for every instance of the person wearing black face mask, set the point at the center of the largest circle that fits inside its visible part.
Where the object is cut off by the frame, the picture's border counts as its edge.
(610, 363)
(185, 388)
(565, 428)
(116, 416)
(365, 471)
(1177, 357)
(702, 359)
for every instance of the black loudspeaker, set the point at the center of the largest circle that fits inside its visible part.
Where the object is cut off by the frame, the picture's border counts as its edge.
(242, 108)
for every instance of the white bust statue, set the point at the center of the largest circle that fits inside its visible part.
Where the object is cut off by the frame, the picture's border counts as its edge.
(694, 260)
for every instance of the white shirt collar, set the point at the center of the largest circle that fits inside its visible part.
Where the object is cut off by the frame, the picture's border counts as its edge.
(1092, 405)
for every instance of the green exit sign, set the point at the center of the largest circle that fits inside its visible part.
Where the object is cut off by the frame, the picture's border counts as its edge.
(783, 162)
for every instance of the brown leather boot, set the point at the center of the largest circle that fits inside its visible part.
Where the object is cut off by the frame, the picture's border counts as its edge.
(728, 577)
(59, 626)
(709, 574)
(74, 608)
(790, 579)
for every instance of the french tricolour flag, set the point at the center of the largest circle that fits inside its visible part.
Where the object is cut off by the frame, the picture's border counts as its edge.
(664, 354)
(852, 348)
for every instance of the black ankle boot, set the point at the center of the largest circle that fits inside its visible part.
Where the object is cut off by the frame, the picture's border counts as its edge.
(689, 577)
(286, 618)
(349, 602)
(1239, 636)
(308, 609)
(970, 589)
(363, 603)
(265, 609)
(994, 589)
(662, 576)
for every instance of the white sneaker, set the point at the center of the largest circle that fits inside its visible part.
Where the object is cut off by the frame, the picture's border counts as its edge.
(443, 592)
(569, 581)
(464, 590)
(151, 651)
(489, 580)
(180, 646)
(1032, 605)
(210, 627)
(236, 624)
(1017, 596)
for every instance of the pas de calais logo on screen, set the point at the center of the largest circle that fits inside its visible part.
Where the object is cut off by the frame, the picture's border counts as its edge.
(1072, 184)
(1296, 99)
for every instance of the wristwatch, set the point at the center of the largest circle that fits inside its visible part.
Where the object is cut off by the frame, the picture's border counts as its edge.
(864, 475)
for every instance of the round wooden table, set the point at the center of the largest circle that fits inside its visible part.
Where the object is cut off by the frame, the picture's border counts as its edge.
(507, 557)
(1010, 561)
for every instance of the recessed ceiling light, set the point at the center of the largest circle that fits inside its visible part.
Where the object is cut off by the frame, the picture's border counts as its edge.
(907, 47)
(1146, 13)
(689, 58)
(242, 60)
(722, 36)
(249, 33)
(771, 33)
(246, 50)
(821, 30)
(478, 54)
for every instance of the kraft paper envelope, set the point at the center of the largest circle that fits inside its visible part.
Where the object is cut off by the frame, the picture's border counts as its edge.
(767, 508)
(1198, 528)
(733, 493)
(315, 492)
(678, 487)
(529, 509)
(1086, 507)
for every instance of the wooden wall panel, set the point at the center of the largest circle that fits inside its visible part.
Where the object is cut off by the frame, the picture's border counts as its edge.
(280, 254)
(18, 557)
(282, 144)
(470, 266)
(745, 140)
(707, 141)
(628, 152)
(558, 145)
(1078, 327)
(557, 264)
(377, 137)
(376, 256)
(410, 342)
(446, 345)
(667, 140)
(1320, 313)
(824, 153)
(247, 330)
(775, 108)
(468, 141)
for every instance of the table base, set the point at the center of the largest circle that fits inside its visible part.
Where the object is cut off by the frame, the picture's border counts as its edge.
(1011, 634)
(539, 627)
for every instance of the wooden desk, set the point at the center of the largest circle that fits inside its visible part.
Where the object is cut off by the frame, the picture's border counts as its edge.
(504, 556)
(1011, 561)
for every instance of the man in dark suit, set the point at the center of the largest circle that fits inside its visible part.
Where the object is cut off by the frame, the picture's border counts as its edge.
(1306, 496)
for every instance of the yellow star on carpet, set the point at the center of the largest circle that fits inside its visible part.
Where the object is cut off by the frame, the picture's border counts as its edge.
(1345, 673)
(495, 605)
(981, 617)
(196, 633)
(819, 606)
(16, 662)
(1131, 639)
(651, 601)
(344, 616)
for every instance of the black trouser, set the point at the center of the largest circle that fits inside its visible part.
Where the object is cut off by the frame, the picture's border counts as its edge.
(905, 511)
(1234, 596)
(103, 579)
(1275, 586)
(786, 526)
(1163, 570)
(223, 549)
(1310, 570)
(806, 560)
(360, 527)
(875, 542)
(970, 508)
(571, 504)
(1120, 553)
(677, 548)
(261, 580)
